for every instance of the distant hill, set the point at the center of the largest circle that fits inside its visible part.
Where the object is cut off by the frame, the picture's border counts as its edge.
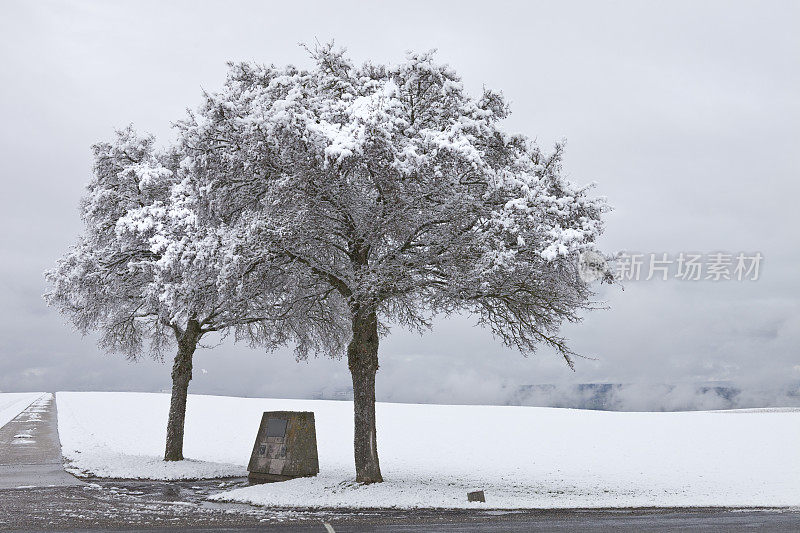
(655, 396)
(636, 396)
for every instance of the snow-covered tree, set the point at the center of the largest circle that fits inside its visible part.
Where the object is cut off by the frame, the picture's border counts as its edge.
(387, 195)
(149, 271)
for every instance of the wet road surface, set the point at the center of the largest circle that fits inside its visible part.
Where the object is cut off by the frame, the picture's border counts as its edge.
(30, 452)
(181, 506)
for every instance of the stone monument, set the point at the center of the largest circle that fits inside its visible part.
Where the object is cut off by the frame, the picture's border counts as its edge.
(476, 496)
(285, 447)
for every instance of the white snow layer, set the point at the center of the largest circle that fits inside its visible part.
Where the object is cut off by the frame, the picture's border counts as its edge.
(13, 403)
(431, 455)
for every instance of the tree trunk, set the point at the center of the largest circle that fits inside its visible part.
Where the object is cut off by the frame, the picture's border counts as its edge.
(181, 375)
(362, 358)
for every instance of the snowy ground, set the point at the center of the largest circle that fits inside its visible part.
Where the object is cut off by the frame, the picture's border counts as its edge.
(122, 435)
(13, 403)
(431, 455)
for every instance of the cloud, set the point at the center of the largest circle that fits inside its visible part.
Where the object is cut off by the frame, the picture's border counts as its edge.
(685, 115)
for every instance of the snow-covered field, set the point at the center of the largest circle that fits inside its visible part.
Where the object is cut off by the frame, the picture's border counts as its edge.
(431, 455)
(13, 403)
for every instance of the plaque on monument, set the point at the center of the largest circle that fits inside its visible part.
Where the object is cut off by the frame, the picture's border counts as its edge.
(285, 447)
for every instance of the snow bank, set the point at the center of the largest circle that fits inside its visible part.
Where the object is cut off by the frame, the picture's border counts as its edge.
(431, 455)
(13, 403)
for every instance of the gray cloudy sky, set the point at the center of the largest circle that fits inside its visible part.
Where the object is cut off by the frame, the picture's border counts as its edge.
(686, 114)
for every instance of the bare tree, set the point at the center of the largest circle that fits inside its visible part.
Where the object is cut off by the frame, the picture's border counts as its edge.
(148, 267)
(386, 195)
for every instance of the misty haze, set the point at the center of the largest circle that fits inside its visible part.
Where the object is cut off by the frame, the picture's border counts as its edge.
(691, 137)
(391, 215)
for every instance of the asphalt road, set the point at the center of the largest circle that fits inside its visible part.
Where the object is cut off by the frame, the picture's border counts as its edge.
(181, 506)
(30, 452)
(117, 507)
(37, 495)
